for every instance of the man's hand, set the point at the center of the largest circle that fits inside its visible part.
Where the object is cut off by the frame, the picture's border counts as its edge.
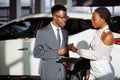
(62, 51)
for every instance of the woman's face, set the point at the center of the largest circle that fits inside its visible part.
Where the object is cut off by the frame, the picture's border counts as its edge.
(96, 20)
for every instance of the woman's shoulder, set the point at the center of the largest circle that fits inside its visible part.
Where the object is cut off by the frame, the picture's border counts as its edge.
(107, 38)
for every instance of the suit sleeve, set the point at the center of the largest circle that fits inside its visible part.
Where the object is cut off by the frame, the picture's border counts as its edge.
(40, 48)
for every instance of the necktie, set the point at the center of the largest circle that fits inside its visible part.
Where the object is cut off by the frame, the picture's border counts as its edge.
(58, 37)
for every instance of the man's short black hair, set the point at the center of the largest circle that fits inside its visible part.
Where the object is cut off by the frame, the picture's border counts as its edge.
(58, 7)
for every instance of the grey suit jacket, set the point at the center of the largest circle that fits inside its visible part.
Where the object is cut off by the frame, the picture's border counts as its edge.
(46, 47)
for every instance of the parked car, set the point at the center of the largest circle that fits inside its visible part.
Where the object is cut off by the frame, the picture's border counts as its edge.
(17, 39)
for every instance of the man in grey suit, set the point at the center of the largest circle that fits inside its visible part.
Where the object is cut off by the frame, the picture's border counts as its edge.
(48, 48)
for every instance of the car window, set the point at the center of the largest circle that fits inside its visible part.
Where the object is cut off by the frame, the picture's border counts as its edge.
(21, 26)
(14, 30)
(23, 29)
(27, 28)
(38, 23)
(115, 25)
(77, 25)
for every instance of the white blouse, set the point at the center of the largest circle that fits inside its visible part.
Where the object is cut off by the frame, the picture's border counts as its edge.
(98, 50)
(99, 55)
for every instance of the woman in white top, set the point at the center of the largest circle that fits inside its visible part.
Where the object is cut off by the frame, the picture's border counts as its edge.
(100, 47)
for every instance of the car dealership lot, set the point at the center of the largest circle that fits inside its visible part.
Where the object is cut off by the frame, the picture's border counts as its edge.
(17, 39)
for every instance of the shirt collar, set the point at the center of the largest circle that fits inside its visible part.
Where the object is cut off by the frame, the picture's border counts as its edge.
(104, 29)
(54, 27)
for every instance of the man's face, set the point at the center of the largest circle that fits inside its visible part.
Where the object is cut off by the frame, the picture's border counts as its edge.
(60, 18)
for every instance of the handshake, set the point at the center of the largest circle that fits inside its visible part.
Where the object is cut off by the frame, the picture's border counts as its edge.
(71, 47)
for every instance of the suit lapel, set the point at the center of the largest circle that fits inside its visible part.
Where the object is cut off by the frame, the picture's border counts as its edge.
(52, 35)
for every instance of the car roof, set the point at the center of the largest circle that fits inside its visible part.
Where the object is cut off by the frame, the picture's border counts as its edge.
(71, 15)
(1, 23)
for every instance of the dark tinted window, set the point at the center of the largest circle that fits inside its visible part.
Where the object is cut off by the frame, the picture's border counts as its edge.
(77, 25)
(23, 29)
(14, 30)
(27, 28)
(115, 25)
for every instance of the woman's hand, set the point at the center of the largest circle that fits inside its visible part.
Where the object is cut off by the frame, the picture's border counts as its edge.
(72, 48)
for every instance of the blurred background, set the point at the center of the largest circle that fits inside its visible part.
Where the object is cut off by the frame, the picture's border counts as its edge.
(11, 9)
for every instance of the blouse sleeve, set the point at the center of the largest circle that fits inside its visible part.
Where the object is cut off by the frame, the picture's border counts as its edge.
(95, 54)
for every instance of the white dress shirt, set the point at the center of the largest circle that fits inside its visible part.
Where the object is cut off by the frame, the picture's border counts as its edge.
(55, 31)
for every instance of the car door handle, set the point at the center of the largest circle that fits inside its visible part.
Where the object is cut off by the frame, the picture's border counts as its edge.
(22, 49)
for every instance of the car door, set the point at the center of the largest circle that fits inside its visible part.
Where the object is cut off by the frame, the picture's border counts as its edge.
(14, 49)
(16, 46)
(15, 57)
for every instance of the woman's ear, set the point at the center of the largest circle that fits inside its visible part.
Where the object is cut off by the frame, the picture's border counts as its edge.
(103, 20)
